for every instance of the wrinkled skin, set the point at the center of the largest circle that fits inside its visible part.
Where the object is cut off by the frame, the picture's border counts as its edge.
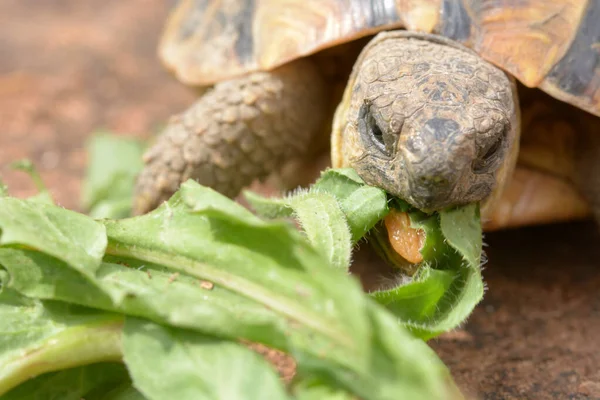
(427, 120)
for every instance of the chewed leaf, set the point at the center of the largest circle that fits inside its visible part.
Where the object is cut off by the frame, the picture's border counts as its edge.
(187, 365)
(38, 337)
(72, 237)
(363, 208)
(448, 284)
(78, 383)
(114, 162)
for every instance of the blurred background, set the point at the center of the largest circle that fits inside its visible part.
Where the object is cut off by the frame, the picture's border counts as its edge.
(69, 68)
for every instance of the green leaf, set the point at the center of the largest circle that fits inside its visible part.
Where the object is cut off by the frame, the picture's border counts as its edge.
(323, 222)
(406, 363)
(335, 214)
(269, 207)
(341, 182)
(210, 203)
(363, 208)
(72, 384)
(146, 290)
(321, 219)
(72, 237)
(363, 205)
(123, 392)
(271, 265)
(187, 365)
(38, 337)
(448, 286)
(362, 377)
(462, 229)
(204, 263)
(114, 162)
(445, 289)
(312, 389)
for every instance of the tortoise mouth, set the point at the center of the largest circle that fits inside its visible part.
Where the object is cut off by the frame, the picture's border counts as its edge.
(431, 197)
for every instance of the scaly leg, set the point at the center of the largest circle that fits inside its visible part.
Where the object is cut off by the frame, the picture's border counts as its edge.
(240, 130)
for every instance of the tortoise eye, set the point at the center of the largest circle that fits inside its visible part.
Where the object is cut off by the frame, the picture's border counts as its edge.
(484, 163)
(369, 128)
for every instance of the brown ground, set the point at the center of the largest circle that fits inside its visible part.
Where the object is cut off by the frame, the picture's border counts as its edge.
(68, 67)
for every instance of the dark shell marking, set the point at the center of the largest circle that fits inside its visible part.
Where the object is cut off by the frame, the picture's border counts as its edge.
(549, 44)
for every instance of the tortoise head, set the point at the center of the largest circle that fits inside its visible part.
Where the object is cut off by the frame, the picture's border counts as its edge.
(427, 120)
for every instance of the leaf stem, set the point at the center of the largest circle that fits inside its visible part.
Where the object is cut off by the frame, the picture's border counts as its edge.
(79, 345)
(236, 284)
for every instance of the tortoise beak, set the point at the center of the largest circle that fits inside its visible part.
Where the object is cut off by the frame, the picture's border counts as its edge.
(436, 160)
(432, 190)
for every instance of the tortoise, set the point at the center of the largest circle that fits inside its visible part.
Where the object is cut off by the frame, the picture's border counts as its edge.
(441, 103)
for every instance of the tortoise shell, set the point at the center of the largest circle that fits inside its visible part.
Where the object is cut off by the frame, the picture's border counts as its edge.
(553, 45)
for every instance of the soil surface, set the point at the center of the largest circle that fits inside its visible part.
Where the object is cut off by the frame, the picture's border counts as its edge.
(68, 68)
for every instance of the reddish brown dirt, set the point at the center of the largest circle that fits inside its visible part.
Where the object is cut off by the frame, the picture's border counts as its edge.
(69, 67)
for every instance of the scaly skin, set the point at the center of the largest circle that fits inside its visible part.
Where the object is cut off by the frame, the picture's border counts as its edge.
(427, 120)
(240, 130)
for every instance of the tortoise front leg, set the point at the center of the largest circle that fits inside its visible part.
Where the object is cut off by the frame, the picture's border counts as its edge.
(240, 130)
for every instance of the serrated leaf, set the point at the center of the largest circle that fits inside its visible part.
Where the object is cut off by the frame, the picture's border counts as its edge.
(191, 366)
(321, 219)
(324, 224)
(407, 362)
(335, 205)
